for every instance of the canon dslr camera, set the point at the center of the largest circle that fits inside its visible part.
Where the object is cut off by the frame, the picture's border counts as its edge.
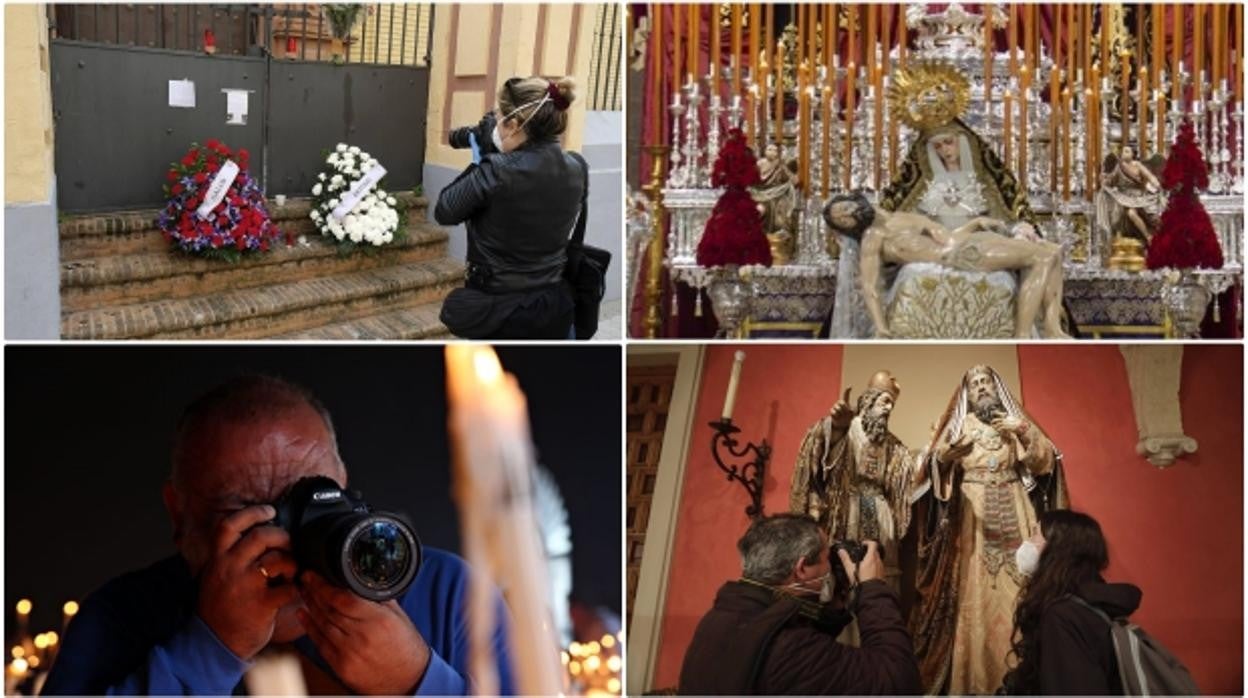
(857, 550)
(337, 535)
(484, 131)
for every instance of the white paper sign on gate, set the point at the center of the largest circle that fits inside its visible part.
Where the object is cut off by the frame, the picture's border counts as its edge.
(216, 190)
(358, 192)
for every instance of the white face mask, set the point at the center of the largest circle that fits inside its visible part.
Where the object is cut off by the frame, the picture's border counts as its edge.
(805, 588)
(1027, 557)
(497, 137)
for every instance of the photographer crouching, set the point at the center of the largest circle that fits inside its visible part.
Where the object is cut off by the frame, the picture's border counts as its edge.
(519, 200)
(773, 631)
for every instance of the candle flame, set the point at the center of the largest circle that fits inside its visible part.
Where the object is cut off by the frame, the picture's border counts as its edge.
(53, 638)
(33, 661)
(613, 685)
(19, 651)
(19, 666)
(23, 607)
(41, 641)
(486, 364)
(70, 608)
(608, 641)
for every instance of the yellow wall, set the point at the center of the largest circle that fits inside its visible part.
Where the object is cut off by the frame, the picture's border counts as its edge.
(27, 105)
(523, 30)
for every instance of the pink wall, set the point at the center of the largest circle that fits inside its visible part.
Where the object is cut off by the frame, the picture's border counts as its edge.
(1177, 533)
(781, 385)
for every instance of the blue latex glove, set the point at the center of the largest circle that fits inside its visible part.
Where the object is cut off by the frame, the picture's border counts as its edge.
(476, 149)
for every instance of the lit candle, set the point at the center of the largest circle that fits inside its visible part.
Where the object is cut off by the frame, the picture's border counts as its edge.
(868, 59)
(678, 72)
(1013, 40)
(877, 101)
(736, 48)
(851, 73)
(1089, 116)
(656, 75)
(492, 466)
(716, 35)
(1198, 45)
(1009, 129)
(1176, 47)
(1142, 138)
(1023, 119)
(752, 18)
(1125, 63)
(803, 124)
(734, 378)
(695, 47)
(70, 609)
(1055, 130)
(989, 52)
(779, 77)
(23, 617)
(1065, 138)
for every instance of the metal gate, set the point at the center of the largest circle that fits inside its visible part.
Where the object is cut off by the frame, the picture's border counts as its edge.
(116, 133)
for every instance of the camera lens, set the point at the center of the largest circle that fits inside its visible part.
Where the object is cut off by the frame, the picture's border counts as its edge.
(380, 556)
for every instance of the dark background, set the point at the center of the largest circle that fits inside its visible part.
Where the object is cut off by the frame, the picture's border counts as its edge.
(89, 432)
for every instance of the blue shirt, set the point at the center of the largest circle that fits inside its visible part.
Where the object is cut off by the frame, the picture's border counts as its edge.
(139, 634)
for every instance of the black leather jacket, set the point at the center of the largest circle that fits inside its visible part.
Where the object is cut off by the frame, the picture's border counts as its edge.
(519, 209)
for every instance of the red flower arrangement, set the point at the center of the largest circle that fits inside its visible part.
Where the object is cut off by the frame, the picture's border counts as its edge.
(238, 224)
(734, 233)
(1185, 238)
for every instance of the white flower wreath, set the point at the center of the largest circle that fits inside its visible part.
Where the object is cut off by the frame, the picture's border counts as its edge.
(373, 220)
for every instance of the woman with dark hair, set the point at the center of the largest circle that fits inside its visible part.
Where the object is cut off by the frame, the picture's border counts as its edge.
(1061, 646)
(519, 201)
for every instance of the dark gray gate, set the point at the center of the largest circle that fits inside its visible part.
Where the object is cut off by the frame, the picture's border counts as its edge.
(116, 133)
(380, 108)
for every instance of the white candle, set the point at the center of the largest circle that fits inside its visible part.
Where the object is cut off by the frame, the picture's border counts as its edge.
(730, 400)
(493, 461)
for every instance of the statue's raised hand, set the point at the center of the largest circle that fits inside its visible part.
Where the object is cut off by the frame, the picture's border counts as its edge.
(842, 414)
(954, 452)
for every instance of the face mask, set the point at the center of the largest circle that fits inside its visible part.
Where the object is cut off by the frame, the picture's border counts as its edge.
(497, 138)
(804, 588)
(1027, 557)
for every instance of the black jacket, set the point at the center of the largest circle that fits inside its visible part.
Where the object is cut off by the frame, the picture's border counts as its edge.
(1076, 649)
(750, 642)
(519, 209)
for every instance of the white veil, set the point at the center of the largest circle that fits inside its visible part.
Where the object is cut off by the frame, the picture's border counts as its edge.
(850, 319)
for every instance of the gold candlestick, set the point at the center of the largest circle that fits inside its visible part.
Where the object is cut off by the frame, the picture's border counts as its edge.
(654, 253)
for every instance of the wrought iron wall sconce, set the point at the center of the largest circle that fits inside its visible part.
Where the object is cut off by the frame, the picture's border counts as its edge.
(751, 473)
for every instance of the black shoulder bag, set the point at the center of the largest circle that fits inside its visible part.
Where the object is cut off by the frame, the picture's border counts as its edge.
(586, 270)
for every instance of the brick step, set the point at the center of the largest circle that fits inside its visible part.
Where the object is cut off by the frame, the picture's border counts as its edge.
(135, 232)
(132, 278)
(272, 310)
(420, 322)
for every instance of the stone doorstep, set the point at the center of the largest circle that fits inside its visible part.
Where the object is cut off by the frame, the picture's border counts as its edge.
(120, 222)
(119, 269)
(275, 309)
(150, 240)
(419, 322)
(227, 278)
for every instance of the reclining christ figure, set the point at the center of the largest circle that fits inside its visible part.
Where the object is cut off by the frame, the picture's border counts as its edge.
(894, 237)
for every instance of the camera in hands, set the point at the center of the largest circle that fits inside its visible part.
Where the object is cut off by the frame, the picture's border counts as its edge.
(857, 550)
(483, 130)
(335, 533)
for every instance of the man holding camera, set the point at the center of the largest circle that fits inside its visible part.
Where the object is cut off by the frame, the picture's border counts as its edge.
(194, 623)
(772, 632)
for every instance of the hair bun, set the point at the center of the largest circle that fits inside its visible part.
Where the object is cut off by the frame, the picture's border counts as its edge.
(566, 87)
